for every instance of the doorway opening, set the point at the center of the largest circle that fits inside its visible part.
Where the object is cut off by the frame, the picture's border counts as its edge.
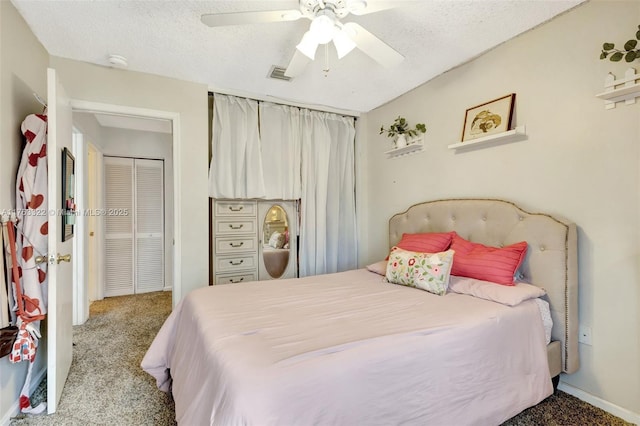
(111, 130)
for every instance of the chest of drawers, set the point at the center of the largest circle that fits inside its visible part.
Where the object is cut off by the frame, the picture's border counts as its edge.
(235, 241)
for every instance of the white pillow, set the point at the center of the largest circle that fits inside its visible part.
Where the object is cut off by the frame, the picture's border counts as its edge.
(426, 271)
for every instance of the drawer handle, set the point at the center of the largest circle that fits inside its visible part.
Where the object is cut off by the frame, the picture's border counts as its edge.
(232, 226)
(240, 244)
(235, 209)
(232, 281)
(236, 263)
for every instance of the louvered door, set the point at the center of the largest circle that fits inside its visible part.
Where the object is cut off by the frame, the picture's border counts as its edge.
(134, 222)
(119, 228)
(149, 225)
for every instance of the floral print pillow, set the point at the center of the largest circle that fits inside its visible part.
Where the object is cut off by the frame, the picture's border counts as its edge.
(426, 271)
(277, 240)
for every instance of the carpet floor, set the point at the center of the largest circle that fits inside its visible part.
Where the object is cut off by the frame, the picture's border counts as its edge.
(106, 385)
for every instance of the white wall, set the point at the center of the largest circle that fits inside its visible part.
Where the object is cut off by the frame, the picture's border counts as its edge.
(151, 145)
(23, 70)
(90, 128)
(579, 161)
(93, 83)
(91, 132)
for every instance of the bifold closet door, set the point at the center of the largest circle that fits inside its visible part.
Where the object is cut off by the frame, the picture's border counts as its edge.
(119, 228)
(149, 225)
(134, 226)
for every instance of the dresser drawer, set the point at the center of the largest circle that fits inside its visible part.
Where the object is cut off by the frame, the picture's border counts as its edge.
(235, 208)
(235, 226)
(236, 278)
(233, 245)
(236, 263)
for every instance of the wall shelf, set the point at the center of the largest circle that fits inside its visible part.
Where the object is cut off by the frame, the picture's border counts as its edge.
(627, 91)
(509, 136)
(413, 147)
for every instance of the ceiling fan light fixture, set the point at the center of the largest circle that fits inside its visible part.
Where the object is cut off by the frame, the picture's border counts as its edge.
(357, 5)
(308, 45)
(323, 27)
(343, 44)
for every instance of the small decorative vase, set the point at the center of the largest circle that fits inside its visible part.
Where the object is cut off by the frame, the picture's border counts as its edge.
(401, 141)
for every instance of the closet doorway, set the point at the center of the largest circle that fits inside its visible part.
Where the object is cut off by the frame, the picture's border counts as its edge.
(134, 226)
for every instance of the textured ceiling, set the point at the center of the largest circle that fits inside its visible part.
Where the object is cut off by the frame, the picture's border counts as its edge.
(167, 38)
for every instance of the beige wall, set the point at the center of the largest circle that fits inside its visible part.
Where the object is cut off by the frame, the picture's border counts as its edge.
(23, 71)
(23, 63)
(579, 161)
(93, 83)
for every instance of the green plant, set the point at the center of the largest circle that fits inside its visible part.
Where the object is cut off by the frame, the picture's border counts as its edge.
(630, 52)
(401, 127)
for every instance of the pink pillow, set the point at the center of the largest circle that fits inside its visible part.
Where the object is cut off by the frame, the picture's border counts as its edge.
(487, 263)
(379, 268)
(429, 242)
(507, 295)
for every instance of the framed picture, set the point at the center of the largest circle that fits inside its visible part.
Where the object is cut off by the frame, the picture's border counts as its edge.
(488, 118)
(68, 190)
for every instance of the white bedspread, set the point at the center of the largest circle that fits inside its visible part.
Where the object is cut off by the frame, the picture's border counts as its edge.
(347, 349)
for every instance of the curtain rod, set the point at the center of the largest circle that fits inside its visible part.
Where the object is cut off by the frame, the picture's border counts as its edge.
(355, 115)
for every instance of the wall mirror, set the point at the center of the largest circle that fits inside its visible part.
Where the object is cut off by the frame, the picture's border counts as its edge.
(68, 190)
(275, 241)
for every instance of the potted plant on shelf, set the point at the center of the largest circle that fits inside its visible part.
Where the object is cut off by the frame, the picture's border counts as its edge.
(630, 53)
(400, 130)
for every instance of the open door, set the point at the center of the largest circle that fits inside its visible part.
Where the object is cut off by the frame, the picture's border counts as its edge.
(60, 275)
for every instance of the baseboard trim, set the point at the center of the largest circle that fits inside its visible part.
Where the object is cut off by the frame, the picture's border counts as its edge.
(616, 410)
(15, 408)
(168, 288)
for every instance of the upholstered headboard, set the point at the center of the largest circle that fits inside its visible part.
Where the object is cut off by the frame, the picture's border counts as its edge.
(551, 261)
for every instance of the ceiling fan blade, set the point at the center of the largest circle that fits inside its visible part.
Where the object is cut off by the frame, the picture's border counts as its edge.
(365, 7)
(377, 49)
(297, 64)
(241, 18)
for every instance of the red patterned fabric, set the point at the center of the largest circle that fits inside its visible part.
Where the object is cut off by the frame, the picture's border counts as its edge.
(30, 279)
(31, 205)
(24, 348)
(495, 264)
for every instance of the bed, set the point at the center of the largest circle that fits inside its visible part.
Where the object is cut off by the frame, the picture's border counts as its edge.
(349, 348)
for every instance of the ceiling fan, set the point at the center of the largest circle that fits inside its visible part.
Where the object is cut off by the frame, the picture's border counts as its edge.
(325, 16)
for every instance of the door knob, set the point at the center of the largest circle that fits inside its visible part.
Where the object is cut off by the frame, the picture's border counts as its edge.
(63, 258)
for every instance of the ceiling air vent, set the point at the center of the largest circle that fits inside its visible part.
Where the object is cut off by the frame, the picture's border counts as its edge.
(278, 73)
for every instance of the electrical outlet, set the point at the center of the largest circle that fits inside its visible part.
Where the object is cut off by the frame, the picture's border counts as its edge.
(584, 335)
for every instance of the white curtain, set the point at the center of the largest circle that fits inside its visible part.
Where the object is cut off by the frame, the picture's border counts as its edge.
(236, 164)
(289, 153)
(280, 136)
(328, 216)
